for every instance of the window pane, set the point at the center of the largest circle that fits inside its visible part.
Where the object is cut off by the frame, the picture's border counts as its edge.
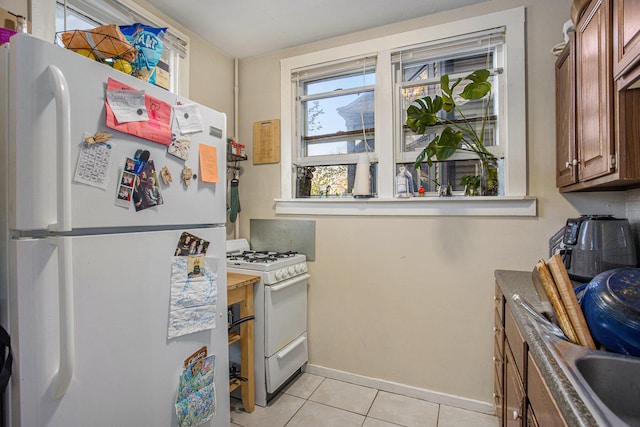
(441, 173)
(329, 181)
(340, 83)
(75, 21)
(339, 114)
(472, 110)
(328, 146)
(431, 67)
(339, 125)
(449, 172)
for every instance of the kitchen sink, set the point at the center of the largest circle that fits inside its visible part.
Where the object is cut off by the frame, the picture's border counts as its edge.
(616, 382)
(608, 383)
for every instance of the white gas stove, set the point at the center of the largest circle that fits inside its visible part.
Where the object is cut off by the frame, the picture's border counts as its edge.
(280, 308)
(278, 266)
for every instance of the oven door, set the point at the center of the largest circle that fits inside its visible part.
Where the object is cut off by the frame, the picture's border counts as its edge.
(285, 313)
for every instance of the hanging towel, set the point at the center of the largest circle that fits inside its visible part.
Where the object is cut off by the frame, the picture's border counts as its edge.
(234, 201)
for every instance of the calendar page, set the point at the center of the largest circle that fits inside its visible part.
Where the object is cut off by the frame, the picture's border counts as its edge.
(94, 164)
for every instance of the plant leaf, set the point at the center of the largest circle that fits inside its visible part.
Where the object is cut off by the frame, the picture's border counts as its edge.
(448, 143)
(479, 85)
(448, 103)
(476, 90)
(420, 116)
(479, 76)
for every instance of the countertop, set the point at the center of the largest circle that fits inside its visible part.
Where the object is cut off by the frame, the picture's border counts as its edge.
(571, 405)
(237, 280)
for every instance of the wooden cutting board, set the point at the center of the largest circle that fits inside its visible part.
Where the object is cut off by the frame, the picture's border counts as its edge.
(556, 301)
(570, 301)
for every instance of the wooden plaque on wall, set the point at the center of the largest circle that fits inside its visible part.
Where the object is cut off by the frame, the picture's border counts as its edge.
(266, 142)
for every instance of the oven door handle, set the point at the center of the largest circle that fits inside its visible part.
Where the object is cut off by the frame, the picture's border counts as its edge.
(289, 282)
(292, 346)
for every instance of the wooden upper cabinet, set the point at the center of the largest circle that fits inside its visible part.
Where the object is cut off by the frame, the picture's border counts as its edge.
(626, 35)
(598, 140)
(566, 156)
(594, 92)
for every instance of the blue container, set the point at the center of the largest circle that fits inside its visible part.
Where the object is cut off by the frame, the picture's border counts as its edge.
(611, 306)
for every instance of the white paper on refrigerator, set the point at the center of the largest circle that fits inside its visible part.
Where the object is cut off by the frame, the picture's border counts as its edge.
(194, 292)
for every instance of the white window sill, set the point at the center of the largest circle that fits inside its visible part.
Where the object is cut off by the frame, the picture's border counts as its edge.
(415, 206)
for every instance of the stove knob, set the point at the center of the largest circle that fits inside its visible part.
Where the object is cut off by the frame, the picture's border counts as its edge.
(279, 275)
(299, 268)
(292, 271)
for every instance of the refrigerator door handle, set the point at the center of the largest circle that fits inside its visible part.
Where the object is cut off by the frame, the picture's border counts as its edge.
(66, 361)
(60, 90)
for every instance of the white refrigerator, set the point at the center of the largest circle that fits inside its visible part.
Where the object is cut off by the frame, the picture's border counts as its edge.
(87, 280)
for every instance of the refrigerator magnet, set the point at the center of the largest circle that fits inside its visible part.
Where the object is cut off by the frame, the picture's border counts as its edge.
(165, 175)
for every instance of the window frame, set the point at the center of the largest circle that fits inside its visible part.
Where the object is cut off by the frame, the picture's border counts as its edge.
(515, 201)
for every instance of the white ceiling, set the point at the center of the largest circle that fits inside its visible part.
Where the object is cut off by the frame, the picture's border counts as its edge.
(245, 28)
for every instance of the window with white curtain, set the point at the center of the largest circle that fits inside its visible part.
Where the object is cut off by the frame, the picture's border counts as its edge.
(87, 14)
(340, 102)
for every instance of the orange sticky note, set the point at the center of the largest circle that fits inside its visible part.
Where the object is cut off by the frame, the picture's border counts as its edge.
(208, 163)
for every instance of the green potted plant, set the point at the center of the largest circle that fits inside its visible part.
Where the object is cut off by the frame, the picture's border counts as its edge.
(458, 134)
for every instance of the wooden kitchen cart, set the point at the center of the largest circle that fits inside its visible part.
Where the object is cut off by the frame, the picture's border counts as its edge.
(240, 291)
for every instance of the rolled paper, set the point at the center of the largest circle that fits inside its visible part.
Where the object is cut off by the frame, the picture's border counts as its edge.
(362, 182)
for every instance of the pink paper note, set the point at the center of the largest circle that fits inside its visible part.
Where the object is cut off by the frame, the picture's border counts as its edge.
(157, 128)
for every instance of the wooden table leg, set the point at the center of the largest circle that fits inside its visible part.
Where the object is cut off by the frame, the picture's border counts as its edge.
(247, 352)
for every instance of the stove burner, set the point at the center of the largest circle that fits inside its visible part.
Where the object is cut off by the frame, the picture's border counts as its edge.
(261, 256)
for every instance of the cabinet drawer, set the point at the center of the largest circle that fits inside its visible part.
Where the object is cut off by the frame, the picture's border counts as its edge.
(515, 341)
(544, 407)
(286, 362)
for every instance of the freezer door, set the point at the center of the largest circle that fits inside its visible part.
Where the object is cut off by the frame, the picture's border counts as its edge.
(38, 120)
(125, 370)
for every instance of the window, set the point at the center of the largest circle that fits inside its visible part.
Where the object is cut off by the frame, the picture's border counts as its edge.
(341, 102)
(416, 72)
(87, 14)
(336, 122)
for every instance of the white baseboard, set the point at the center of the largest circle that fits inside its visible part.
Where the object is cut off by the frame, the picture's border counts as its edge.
(405, 390)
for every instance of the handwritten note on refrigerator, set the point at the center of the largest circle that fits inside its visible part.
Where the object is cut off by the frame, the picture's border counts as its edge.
(208, 163)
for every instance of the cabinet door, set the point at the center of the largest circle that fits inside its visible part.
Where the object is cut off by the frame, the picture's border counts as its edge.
(566, 159)
(544, 407)
(594, 91)
(514, 399)
(626, 35)
(532, 421)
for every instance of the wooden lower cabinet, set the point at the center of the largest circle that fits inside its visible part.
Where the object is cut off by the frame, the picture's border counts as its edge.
(522, 397)
(544, 410)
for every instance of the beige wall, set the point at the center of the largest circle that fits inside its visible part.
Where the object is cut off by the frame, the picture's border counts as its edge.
(19, 7)
(409, 299)
(210, 71)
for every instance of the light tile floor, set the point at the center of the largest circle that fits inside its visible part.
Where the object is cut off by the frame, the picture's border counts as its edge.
(314, 401)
